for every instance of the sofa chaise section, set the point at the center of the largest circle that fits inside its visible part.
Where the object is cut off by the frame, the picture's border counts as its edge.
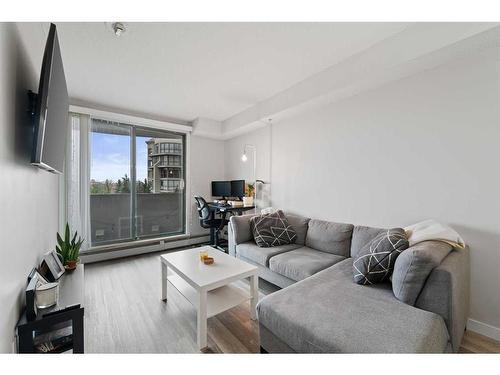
(329, 313)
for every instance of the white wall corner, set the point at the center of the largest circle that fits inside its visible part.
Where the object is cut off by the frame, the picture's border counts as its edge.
(208, 128)
(483, 329)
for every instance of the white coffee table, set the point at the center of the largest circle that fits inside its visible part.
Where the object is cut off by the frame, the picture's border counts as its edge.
(208, 287)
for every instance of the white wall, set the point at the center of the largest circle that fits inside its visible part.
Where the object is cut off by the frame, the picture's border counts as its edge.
(28, 196)
(207, 164)
(424, 147)
(236, 169)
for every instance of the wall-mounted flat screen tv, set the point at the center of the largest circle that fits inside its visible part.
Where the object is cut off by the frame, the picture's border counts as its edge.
(51, 111)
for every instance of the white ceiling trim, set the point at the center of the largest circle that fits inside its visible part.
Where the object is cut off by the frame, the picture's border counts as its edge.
(207, 128)
(129, 119)
(417, 48)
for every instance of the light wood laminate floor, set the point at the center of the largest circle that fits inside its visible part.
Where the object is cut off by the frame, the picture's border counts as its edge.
(124, 314)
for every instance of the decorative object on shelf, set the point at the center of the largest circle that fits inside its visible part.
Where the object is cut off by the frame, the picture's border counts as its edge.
(69, 249)
(46, 295)
(51, 267)
(248, 200)
(34, 273)
(35, 279)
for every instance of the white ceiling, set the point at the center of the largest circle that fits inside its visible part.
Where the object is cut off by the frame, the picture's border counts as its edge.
(188, 70)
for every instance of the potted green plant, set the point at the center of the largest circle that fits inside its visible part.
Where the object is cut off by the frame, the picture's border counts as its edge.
(68, 249)
(248, 200)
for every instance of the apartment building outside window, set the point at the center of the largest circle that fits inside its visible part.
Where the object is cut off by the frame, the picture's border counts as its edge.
(170, 185)
(170, 173)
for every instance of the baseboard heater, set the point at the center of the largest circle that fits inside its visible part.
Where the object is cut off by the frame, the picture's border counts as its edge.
(140, 247)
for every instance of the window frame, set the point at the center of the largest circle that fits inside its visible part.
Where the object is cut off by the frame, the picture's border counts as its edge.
(141, 122)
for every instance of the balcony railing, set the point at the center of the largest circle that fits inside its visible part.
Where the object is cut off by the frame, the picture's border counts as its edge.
(167, 152)
(166, 164)
(157, 215)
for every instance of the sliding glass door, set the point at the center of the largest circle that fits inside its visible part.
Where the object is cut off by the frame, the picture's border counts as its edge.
(110, 193)
(160, 183)
(137, 187)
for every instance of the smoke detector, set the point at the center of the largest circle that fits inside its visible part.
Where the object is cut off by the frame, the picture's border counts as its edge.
(118, 28)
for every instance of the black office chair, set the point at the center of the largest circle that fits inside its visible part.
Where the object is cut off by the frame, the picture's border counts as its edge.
(207, 220)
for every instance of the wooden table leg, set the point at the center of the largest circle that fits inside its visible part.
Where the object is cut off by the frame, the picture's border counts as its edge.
(254, 292)
(202, 321)
(164, 281)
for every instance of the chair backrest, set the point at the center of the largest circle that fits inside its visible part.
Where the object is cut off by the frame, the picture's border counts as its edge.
(202, 206)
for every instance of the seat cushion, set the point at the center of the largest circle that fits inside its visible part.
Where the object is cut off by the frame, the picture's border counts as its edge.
(272, 230)
(330, 237)
(361, 236)
(329, 313)
(261, 255)
(414, 266)
(301, 263)
(375, 261)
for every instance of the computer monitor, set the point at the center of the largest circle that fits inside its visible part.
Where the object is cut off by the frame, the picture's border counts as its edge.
(238, 188)
(221, 189)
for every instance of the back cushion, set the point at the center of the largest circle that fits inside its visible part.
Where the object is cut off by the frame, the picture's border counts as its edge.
(272, 230)
(361, 236)
(241, 228)
(334, 238)
(374, 263)
(299, 223)
(414, 266)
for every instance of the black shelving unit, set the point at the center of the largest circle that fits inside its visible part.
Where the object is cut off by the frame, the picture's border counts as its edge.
(59, 327)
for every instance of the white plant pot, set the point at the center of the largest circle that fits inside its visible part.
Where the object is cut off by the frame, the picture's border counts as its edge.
(247, 201)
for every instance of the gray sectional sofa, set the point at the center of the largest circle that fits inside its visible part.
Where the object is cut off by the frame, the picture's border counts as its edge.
(321, 310)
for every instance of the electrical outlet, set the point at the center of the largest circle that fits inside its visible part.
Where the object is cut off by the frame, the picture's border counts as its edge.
(99, 232)
(155, 228)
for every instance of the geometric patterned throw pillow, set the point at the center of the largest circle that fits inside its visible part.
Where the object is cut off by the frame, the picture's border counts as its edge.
(272, 230)
(374, 263)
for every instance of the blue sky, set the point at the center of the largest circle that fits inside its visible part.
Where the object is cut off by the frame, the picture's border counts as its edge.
(111, 157)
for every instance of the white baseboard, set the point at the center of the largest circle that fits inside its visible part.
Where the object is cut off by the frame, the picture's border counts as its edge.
(483, 329)
(120, 253)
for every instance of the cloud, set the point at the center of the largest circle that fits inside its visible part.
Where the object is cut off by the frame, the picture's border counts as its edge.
(111, 157)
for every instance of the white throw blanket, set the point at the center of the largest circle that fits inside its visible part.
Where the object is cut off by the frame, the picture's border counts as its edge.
(431, 230)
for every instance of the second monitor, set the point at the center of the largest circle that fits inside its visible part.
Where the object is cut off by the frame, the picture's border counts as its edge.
(235, 188)
(238, 188)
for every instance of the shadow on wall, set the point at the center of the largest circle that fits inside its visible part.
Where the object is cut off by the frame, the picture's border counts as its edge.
(478, 238)
(483, 270)
(23, 126)
(19, 130)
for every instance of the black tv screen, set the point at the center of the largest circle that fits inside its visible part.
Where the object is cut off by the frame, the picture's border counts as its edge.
(51, 112)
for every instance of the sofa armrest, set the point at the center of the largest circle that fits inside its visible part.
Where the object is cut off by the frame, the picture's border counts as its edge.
(239, 231)
(231, 245)
(446, 292)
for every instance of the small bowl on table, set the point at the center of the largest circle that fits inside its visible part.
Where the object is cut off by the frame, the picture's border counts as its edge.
(208, 260)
